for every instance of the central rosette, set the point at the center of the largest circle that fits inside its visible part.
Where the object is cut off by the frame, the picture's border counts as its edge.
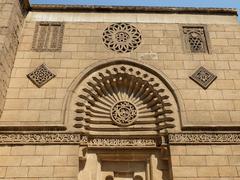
(122, 37)
(124, 113)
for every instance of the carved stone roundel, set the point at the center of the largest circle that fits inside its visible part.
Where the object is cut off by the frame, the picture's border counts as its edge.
(124, 113)
(121, 37)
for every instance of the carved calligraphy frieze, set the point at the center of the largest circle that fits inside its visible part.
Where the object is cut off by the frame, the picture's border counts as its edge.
(78, 139)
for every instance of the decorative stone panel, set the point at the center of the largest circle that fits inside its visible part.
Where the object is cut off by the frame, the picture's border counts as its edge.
(122, 37)
(195, 38)
(203, 77)
(120, 97)
(29, 138)
(41, 75)
(48, 36)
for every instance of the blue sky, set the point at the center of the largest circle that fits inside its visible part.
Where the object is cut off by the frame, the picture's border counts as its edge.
(174, 3)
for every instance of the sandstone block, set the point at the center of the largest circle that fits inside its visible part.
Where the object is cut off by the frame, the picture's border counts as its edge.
(17, 172)
(40, 172)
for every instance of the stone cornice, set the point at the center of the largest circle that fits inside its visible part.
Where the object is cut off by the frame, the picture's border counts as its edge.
(33, 138)
(133, 9)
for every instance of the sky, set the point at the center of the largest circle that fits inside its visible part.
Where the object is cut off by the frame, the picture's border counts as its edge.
(171, 3)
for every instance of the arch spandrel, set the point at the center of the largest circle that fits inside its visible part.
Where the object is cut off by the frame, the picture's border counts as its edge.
(121, 97)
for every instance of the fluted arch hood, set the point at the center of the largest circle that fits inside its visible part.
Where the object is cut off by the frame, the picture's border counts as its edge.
(121, 97)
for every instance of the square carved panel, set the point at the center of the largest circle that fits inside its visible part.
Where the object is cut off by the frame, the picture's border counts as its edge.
(48, 36)
(41, 75)
(195, 38)
(203, 77)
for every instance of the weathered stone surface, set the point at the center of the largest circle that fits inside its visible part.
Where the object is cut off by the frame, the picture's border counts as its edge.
(11, 25)
(55, 155)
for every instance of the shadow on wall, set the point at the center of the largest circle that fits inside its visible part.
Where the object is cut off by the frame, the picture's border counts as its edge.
(239, 15)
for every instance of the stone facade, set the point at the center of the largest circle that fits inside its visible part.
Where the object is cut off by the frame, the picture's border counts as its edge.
(93, 90)
(205, 162)
(12, 19)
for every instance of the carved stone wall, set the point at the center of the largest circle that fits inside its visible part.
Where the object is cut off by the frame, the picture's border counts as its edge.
(205, 162)
(41, 162)
(140, 165)
(104, 106)
(121, 95)
(11, 25)
(160, 47)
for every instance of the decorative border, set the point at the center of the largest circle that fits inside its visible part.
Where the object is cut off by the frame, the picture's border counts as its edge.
(73, 138)
(125, 142)
(204, 138)
(42, 138)
(98, 142)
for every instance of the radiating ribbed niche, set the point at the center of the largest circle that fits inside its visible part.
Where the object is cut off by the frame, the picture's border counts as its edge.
(123, 98)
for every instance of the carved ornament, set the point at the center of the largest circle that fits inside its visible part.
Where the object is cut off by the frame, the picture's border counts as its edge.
(203, 77)
(76, 138)
(121, 37)
(41, 75)
(123, 98)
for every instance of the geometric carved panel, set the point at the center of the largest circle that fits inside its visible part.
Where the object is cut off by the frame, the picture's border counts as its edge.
(195, 39)
(41, 75)
(203, 77)
(48, 36)
(121, 37)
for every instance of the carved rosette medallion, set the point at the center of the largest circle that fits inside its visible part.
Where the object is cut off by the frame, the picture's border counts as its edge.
(122, 37)
(123, 113)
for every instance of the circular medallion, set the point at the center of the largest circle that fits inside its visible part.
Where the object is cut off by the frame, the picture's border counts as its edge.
(121, 37)
(124, 113)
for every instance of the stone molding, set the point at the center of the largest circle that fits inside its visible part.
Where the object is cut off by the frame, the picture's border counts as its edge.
(139, 9)
(41, 138)
(122, 143)
(204, 138)
(34, 138)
